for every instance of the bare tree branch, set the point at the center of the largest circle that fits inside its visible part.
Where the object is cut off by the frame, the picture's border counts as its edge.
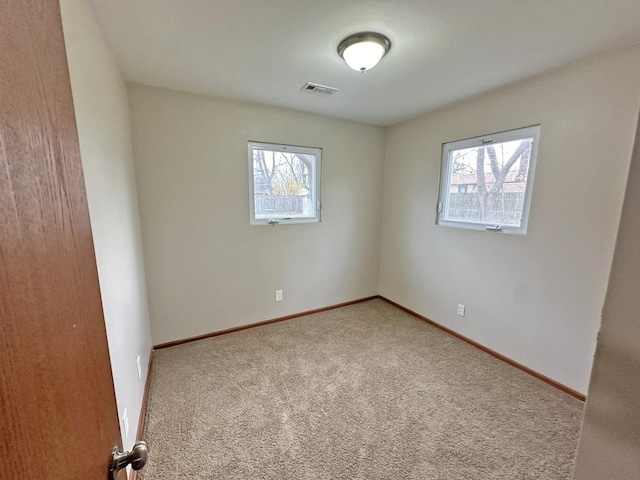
(495, 167)
(482, 183)
(505, 170)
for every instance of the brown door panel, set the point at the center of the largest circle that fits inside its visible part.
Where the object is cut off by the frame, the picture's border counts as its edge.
(59, 417)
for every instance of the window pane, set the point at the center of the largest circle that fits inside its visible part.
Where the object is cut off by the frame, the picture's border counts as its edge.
(487, 184)
(283, 184)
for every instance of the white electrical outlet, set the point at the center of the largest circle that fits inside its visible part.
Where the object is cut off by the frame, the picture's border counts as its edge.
(139, 367)
(278, 295)
(125, 424)
(461, 310)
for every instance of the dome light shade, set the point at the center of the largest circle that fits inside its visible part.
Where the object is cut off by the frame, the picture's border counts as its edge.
(363, 51)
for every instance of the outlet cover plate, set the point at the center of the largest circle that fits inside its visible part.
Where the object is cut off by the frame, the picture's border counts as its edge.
(461, 309)
(278, 295)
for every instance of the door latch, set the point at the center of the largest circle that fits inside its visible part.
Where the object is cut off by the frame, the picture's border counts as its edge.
(137, 458)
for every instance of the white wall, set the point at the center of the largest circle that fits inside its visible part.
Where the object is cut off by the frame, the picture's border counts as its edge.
(536, 298)
(102, 115)
(610, 441)
(207, 268)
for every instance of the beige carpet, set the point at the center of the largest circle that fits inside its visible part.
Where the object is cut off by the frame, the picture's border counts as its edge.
(360, 392)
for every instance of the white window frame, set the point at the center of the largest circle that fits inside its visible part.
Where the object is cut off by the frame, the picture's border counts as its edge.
(445, 179)
(315, 194)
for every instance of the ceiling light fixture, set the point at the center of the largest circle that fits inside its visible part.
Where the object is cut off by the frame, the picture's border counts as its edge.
(362, 51)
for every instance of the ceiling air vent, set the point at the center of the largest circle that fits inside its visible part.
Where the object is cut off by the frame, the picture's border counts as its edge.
(319, 89)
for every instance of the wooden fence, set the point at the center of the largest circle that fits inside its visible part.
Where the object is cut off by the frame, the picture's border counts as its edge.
(280, 204)
(466, 206)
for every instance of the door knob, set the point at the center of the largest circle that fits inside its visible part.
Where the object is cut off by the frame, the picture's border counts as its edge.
(137, 458)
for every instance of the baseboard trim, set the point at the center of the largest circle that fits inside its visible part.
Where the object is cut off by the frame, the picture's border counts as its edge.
(260, 324)
(143, 409)
(145, 397)
(499, 356)
(453, 333)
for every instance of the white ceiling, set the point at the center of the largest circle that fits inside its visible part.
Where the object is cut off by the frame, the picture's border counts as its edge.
(442, 50)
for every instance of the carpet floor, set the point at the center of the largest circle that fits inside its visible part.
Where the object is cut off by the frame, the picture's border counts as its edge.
(360, 392)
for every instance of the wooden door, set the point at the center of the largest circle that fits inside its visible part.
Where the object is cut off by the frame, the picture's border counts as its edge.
(57, 403)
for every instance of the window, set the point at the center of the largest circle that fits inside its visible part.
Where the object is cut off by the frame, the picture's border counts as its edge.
(486, 181)
(284, 183)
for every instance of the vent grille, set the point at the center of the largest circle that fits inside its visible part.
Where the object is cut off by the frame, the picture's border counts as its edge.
(318, 89)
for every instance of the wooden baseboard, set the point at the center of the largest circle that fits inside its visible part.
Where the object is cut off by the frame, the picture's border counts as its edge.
(493, 353)
(143, 409)
(260, 324)
(479, 346)
(499, 356)
(145, 397)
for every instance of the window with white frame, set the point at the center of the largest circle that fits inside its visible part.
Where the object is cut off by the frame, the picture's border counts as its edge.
(284, 183)
(486, 181)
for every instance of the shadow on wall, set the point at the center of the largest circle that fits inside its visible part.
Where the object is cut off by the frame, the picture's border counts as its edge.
(611, 413)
